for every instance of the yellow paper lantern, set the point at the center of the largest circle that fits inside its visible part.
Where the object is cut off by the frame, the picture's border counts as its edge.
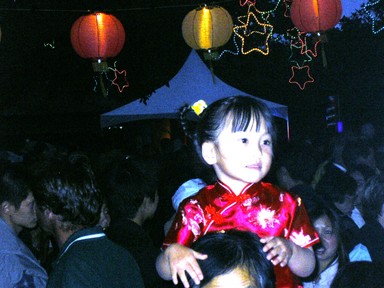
(207, 27)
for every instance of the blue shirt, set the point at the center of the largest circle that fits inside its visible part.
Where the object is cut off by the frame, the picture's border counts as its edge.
(19, 268)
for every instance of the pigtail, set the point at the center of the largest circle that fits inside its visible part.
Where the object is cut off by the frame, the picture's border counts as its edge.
(188, 119)
(184, 121)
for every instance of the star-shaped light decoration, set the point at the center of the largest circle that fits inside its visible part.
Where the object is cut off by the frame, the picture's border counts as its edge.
(253, 29)
(373, 17)
(245, 2)
(308, 46)
(287, 4)
(301, 72)
(120, 78)
(296, 56)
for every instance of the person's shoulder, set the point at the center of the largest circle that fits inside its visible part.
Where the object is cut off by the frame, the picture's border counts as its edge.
(8, 240)
(16, 265)
(372, 228)
(13, 249)
(200, 197)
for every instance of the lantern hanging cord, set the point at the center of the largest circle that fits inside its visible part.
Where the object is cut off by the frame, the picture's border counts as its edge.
(34, 9)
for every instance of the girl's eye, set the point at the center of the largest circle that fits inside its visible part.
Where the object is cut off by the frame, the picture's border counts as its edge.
(244, 140)
(267, 142)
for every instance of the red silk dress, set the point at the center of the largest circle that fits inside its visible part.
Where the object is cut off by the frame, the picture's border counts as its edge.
(261, 208)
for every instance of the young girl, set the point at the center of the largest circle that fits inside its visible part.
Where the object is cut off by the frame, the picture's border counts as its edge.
(234, 135)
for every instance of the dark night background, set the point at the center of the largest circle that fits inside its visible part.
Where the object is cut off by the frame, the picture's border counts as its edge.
(48, 94)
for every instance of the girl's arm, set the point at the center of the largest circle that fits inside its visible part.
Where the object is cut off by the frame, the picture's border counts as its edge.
(282, 251)
(178, 259)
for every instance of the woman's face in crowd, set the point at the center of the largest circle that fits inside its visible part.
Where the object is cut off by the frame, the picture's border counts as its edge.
(347, 205)
(326, 252)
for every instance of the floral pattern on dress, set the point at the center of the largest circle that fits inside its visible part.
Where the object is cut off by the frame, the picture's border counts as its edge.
(261, 208)
(266, 218)
(193, 217)
(300, 238)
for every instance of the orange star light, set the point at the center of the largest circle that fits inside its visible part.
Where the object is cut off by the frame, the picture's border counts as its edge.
(120, 79)
(303, 72)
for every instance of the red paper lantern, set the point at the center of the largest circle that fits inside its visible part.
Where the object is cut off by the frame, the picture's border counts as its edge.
(97, 36)
(315, 15)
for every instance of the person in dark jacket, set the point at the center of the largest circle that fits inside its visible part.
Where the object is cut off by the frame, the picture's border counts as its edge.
(69, 205)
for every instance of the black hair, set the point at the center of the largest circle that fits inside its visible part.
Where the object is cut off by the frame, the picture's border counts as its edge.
(128, 183)
(299, 160)
(66, 186)
(230, 250)
(334, 188)
(239, 111)
(14, 183)
(353, 150)
(314, 214)
(373, 198)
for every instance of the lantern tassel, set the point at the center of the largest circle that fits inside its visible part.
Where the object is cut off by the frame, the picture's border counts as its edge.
(102, 86)
(212, 72)
(323, 39)
(324, 57)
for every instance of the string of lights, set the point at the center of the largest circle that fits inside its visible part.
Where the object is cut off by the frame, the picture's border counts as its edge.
(142, 8)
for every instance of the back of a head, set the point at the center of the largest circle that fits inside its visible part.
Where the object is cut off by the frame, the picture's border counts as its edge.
(66, 186)
(333, 188)
(128, 183)
(299, 160)
(356, 151)
(14, 183)
(234, 249)
(373, 198)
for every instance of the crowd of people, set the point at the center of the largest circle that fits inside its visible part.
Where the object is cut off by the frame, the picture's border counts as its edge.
(225, 209)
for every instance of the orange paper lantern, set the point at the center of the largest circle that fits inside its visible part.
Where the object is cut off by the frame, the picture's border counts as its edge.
(207, 27)
(315, 15)
(97, 36)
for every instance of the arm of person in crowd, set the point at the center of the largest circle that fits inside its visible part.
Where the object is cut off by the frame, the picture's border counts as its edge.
(178, 259)
(281, 251)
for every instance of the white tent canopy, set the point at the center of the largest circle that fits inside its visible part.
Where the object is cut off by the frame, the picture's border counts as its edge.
(193, 82)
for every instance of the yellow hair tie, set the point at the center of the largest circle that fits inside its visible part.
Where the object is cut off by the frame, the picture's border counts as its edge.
(199, 106)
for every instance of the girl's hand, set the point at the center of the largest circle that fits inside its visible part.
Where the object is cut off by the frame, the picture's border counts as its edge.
(182, 259)
(279, 250)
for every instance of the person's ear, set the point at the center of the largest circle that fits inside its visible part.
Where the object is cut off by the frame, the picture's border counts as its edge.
(208, 151)
(7, 208)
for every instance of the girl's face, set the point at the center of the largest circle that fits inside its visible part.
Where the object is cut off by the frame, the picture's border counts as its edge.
(326, 252)
(240, 157)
